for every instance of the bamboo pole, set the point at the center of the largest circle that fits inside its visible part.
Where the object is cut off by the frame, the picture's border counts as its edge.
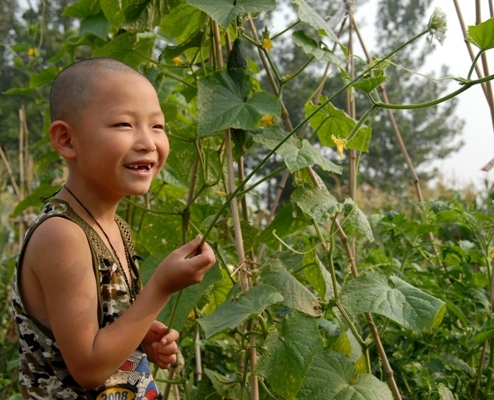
(11, 174)
(487, 86)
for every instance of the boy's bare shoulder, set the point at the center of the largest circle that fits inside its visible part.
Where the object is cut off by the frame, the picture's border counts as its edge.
(56, 268)
(57, 237)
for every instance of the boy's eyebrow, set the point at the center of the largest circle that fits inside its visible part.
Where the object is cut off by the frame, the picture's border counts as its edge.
(132, 112)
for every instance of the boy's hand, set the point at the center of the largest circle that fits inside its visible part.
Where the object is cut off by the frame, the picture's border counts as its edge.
(185, 266)
(160, 346)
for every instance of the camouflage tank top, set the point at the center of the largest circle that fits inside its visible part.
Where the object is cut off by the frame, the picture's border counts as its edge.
(42, 370)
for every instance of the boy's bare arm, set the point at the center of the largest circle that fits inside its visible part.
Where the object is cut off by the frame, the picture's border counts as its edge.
(58, 261)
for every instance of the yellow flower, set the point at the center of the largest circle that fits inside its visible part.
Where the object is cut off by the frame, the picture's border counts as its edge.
(32, 52)
(177, 61)
(491, 253)
(267, 120)
(37, 101)
(267, 44)
(340, 144)
(287, 77)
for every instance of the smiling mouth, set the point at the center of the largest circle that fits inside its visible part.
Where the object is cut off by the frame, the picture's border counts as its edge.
(139, 167)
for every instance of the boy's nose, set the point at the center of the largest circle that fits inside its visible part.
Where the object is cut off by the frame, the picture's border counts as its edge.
(145, 140)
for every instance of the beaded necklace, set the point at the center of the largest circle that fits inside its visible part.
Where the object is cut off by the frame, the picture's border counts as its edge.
(131, 288)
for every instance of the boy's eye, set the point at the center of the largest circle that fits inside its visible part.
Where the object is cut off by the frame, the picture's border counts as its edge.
(122, 124)
(159, 126)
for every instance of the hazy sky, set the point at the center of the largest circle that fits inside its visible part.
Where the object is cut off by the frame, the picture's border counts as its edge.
(465, 166)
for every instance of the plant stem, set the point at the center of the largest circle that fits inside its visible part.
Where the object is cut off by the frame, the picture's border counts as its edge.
(285, 30)
(263, 179)
(466, 85)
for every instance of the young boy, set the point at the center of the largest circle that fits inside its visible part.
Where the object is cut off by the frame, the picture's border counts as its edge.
(86, 327)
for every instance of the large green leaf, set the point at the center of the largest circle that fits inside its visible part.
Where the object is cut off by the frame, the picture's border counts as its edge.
(317, 275)
(224, 101)
(233, 312)
(97, 25)
(224, 11)
(295, 295)
(145, 15)
(287, 221)
(393, 298)
(113, 11)
(482, 35)
(318, 203)
(310, 46)
(333, 376)
(296, 153)
(188, 300)
(309, 16)
(127, 47)
(357, 219)
(82, 9)
(46, 76)
(331, 121)
(290, 353)
(219, 292)
(173, 25)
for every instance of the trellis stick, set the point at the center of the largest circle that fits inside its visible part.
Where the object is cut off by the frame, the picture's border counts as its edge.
(11, 174)
(399, 139)
(285, 116)
(244, 282)
(486, 87)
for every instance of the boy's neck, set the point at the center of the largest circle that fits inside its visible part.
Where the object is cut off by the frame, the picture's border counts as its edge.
(93, 207)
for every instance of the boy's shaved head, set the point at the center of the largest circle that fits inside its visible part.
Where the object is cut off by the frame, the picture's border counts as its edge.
(72, 89)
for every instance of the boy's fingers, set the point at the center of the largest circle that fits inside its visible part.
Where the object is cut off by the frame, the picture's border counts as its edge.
(190, 248)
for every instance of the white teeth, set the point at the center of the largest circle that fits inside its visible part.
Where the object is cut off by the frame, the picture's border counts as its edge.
(147, 167)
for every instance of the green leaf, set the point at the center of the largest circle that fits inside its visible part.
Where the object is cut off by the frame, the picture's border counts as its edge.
(395, 299)
(310, 46)
(46, 76)
(295, 295)
(82, 9)
(219, 292)
(481, 337)
(232, 313)
(173, 26)
(225, 387)
(318, 203)
(145, 15)
(188, 300)
(249, 235)
(194, 41)
(482, 35)
(289, 354)
(224, 11)
(34, 198)
(113, 11)
(309, 16)
(97, 25)
(127, 47)
(223, 101)
(287, 221)
(457, 311)
(332, 376)
(367, 85)
(331, 121)
(317, 275)
(19, 91)
(296, 153)
(357, 219)
(445, 393)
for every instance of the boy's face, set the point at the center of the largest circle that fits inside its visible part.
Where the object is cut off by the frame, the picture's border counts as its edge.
(119, 139)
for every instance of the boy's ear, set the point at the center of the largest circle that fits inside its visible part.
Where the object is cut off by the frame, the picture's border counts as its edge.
(61, 139)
